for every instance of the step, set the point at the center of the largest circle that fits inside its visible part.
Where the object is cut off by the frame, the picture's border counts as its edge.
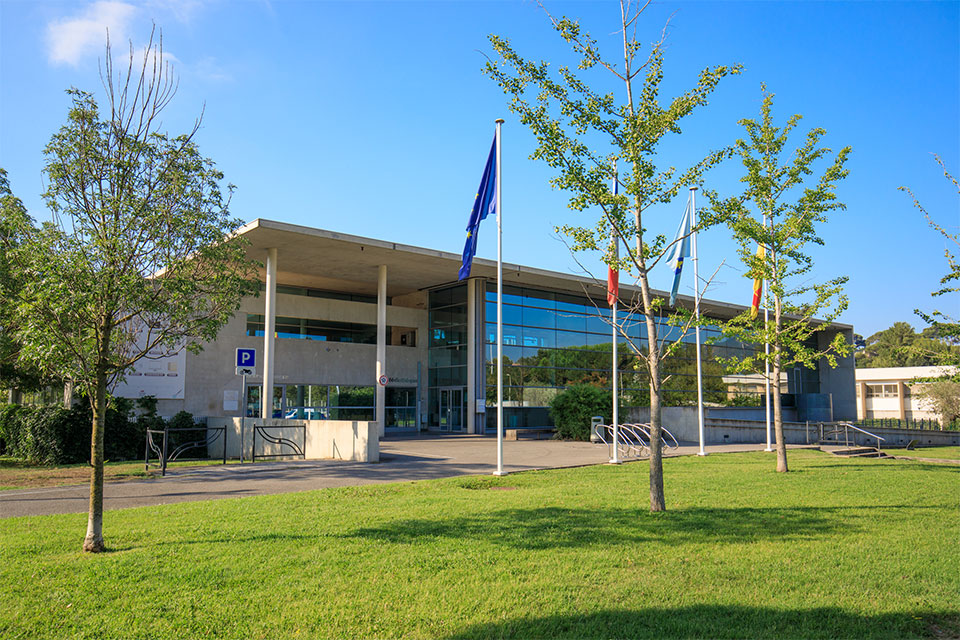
(859, 452)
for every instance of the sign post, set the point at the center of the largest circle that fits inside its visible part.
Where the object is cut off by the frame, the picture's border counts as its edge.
(246, 362)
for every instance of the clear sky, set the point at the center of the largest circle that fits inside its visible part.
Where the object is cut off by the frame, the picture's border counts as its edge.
(373, 118)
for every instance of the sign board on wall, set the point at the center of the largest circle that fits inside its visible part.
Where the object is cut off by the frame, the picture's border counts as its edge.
(157, 375)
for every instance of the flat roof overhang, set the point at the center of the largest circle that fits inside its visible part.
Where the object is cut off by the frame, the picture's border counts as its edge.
(322, 259)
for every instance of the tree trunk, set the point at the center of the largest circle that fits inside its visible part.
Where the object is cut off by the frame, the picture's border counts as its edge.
(94, 541)
(777, 405)
(657, 499)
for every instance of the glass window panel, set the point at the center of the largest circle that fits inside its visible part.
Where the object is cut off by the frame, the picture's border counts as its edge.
(598, 339)
(571, 340)
(538, 356)
(512, 314)
(568, 302)
(512, 295)
(597, 325)
(533, 337)
(537, 298)
(534, 317)
(571, 321)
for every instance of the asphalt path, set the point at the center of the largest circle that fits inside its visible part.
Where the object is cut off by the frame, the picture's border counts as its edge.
(401, 460)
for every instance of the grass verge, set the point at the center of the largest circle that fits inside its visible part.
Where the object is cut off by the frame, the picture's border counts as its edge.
(18, 474)
(946, 453)
(835, 549)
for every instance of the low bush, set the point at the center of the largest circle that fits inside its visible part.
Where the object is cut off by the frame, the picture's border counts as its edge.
(572, 409)
(54, 435)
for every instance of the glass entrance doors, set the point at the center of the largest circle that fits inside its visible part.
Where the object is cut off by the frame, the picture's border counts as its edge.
(452, 409)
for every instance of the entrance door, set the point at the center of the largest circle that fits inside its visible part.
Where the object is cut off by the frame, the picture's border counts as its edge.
(452, 409)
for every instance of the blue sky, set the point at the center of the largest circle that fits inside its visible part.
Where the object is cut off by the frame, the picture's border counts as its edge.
(373, 118)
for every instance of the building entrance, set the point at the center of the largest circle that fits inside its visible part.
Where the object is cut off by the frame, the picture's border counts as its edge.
(452, 409)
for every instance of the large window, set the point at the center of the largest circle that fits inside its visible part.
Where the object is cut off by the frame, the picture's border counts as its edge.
(447, 358)
(329, 331)
(555, 340)
(336, 402)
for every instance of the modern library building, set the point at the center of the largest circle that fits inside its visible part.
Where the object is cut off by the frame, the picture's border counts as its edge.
(365, 329)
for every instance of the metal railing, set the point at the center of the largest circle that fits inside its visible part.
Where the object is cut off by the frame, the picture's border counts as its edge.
(162, 448)
(296, 450)
(633, 439)
(835, 429)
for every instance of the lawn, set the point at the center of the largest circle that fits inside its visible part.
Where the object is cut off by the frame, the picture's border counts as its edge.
(836, 549)
(947, 453)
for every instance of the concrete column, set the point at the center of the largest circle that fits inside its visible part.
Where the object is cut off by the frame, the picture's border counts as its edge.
(67, 394)
(381, 414)
(901, 392)
(269, 331)
(471, 356)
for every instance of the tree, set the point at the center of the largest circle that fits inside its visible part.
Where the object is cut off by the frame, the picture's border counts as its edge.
(581, 131)
(901, 346)
(767, 214)
(14, 375)
(135, 261)
(945, 326)
(943, 397)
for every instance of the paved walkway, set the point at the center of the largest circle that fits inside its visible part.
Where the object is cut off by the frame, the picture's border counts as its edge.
(402, 459)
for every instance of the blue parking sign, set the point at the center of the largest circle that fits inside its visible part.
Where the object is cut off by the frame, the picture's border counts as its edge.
(247, 358)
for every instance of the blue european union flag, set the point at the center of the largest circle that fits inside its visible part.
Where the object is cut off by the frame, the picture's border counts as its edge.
(484, 204)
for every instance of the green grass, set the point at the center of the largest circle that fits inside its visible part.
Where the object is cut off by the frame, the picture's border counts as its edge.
(948, 453)
(835, 549)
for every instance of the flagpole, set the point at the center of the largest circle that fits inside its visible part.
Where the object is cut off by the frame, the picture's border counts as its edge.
(766, 348)
(613, 309)
(499, 471)
(696, 312)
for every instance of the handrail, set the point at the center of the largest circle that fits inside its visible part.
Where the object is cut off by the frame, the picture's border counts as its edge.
(846, 426)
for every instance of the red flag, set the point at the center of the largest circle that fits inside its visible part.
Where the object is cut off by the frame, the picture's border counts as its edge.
(757, 285)
(613, 285)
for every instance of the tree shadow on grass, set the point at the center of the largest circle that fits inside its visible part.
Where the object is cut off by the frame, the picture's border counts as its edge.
(554, 527)
(722, 621)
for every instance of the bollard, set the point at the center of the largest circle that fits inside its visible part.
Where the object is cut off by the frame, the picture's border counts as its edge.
(595, 421)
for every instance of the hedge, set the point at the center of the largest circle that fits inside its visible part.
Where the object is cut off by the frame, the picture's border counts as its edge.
(54, 435)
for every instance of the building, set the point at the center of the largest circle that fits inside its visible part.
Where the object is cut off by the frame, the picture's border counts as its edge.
(363, 324)
(889, 393)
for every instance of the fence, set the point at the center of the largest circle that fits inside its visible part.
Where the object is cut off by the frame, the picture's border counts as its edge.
(895, 423)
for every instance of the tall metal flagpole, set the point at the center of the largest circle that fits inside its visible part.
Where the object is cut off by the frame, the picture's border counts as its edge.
(766, 348)
(499, 471)
(613, 309)
(696, 313)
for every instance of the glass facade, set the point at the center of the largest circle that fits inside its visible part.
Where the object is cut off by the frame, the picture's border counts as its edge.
(336, 402)
(555, 340)
(447, 359)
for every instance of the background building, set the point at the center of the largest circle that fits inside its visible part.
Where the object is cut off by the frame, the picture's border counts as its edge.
(349, 310)
(888, 393)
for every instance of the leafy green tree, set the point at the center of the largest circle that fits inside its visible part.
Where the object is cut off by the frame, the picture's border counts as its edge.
(901, 346)
(581, 131)
(779, 210)
(14, 375)
(943, 397)
(135, 261)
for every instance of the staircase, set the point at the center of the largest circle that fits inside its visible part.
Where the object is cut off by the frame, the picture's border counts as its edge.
(859, 452)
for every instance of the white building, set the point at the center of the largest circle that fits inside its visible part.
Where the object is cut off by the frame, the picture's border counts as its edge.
(887, 392)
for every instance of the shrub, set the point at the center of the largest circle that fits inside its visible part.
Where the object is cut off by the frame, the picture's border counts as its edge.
(572, 409)
(54, 435)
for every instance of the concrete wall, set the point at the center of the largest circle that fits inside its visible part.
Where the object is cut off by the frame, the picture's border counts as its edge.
(325, 439)
(212, 372)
